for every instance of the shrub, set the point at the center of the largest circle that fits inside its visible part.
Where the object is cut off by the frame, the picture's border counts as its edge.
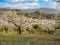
(5, 28)
(1, 29)
(36, 28)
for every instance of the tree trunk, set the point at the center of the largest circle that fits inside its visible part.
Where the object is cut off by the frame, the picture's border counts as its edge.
(19, 30)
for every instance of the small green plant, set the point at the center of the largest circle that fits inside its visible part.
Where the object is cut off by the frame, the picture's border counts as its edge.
(51, 32)
(5, 28)
(19, 13)
(36, 28)
(1, 29)
(27, 29)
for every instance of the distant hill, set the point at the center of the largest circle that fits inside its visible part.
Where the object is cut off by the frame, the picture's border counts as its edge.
(42, 13)
(45, 10)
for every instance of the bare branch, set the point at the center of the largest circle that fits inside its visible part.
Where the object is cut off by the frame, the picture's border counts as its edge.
(12, 21)
(57, 1)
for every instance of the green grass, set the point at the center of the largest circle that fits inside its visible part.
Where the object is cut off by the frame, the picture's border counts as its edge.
(29, 40)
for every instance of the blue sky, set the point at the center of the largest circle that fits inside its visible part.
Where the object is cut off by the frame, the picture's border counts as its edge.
(27, 4)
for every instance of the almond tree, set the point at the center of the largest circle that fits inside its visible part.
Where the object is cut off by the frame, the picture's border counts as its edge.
(58, 13)
(16, 20)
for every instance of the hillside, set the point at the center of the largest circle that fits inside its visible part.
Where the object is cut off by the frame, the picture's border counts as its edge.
(45, 10)
(17, 20)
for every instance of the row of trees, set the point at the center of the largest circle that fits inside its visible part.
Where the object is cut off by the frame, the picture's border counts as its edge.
(17, 20)
(35, 29)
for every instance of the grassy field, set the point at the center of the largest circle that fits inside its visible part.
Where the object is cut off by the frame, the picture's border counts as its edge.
(29, 40)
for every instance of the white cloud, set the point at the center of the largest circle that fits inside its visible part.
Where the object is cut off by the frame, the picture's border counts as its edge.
(52, 5)
(21, 0)
(19, 5)
(46, 0)
(12, 0)
(33, 5)
(17, 0)
(36, 0)
(27, 5)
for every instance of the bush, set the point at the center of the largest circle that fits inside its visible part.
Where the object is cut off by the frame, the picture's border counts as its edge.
(36, 28)
(1, 29)
(5, 28)
(51, 32)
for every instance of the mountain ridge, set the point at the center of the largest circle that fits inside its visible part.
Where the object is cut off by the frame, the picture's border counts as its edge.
(45, 10)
